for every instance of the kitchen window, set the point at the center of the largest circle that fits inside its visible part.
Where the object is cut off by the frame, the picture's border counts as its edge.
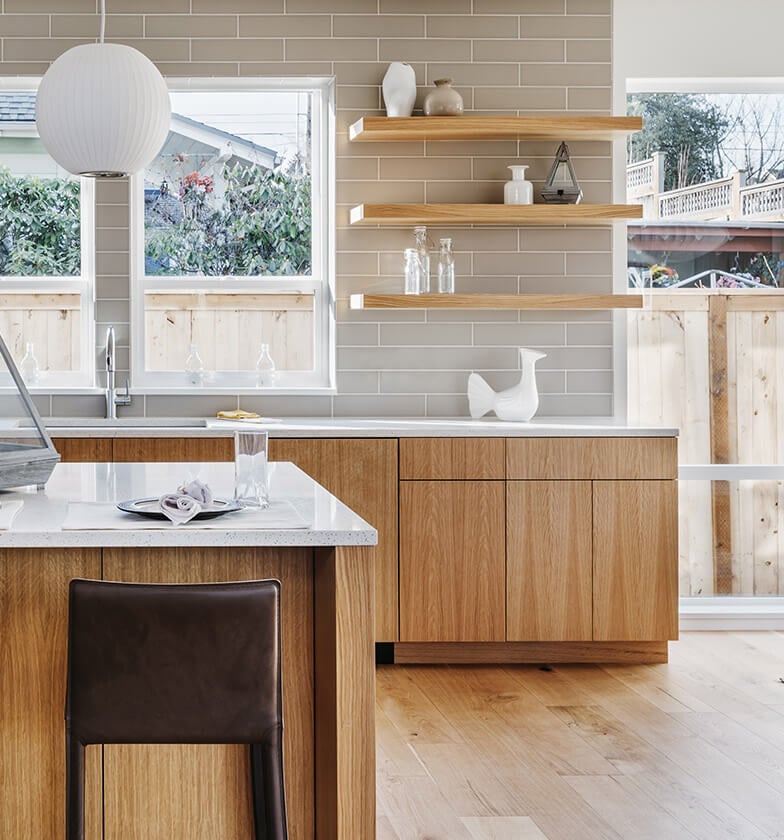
(232, 241)
(46, 253)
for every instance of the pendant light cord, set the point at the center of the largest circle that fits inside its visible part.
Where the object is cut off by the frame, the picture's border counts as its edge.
(103, 19)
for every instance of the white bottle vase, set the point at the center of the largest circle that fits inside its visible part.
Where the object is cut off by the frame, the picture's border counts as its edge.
(399, 88)
(518, 190)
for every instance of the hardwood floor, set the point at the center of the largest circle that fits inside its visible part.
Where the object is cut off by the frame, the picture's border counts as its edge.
(691, 749)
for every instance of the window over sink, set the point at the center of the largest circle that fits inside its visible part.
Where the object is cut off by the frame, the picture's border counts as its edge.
(231, 239)
(46, 252)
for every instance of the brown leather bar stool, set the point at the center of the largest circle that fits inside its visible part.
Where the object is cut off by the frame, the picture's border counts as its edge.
(177, 664)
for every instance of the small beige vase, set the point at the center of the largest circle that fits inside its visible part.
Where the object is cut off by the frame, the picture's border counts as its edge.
(444, 101)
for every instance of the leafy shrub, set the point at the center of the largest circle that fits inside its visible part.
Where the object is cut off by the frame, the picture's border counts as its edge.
(39, 226)
(261, 225)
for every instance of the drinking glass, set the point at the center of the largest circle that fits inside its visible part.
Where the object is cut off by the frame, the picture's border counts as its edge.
(251, 479)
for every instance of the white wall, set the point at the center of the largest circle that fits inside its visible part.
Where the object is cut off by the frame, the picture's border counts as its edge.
(696, 39)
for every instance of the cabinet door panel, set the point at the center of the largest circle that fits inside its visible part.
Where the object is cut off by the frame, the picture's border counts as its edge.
(635, 560)
(362, 473)
(548, 561)
(77, 450)
(452, 561)
(193, 449)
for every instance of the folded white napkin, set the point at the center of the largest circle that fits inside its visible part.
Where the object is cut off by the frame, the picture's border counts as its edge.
(8, 512)
(179, 507)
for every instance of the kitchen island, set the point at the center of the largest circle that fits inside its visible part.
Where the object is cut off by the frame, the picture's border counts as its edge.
(325, 564)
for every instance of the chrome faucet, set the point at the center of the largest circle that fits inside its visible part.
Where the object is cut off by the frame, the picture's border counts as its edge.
(113, 399)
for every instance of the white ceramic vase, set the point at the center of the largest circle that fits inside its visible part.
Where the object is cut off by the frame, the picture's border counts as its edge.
(399, 89)
(518, 190)
(518, 403)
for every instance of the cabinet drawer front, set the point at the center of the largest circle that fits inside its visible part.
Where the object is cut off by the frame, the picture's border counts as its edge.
(592, 458)
(451, 458)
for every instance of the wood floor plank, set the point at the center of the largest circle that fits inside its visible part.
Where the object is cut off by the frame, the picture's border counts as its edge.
(630, 812)
(503, 828)
(692, 749)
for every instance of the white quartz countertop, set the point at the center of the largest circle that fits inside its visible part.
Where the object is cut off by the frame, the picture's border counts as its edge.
(359, 427)
(39, 523)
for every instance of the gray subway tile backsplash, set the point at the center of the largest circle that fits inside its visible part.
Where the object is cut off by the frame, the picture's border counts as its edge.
(530, 56)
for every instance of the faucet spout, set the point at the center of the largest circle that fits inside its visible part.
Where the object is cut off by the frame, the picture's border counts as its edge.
(113, 399)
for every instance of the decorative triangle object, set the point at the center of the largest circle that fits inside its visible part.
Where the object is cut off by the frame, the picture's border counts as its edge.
(561, 186)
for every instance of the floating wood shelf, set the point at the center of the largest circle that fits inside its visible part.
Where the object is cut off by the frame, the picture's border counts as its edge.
(385, 129)
(492, 214)
(479, 301)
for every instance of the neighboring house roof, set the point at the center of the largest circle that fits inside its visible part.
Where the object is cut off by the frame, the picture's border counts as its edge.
(17, 107)
(192, 137)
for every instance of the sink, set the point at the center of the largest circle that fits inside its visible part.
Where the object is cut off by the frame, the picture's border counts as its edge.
(122, 422)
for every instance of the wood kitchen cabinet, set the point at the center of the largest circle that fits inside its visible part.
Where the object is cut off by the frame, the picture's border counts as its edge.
(548, 561)
(362, 473)
(452, 561)
(635, 570)
(197, 449)
(79, 450)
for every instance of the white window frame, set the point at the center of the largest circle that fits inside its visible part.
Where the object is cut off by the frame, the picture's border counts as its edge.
(321, 283)
(53, 381)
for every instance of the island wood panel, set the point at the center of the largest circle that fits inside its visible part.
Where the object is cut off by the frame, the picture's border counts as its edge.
(452, 458)
(79, 450)
(635, 560)
(155, 792)
(33, 657)
(345, 693)
(452, 576)
(194, 449)
(363, 474)
(589, 458)
(486, 653)
(548, 561)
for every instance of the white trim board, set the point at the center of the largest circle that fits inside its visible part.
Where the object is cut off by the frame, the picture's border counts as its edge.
(731, 612)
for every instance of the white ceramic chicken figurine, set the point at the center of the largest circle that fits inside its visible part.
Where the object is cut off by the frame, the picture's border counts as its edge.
(517, 403)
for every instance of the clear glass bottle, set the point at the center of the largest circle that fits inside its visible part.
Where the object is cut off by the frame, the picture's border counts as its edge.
(446, 268)
(424, 259)
(28, 367)
(413, 272)
(194, 367)
(265, 369)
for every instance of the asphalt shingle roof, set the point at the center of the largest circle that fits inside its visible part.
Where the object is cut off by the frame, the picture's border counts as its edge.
(17, 107)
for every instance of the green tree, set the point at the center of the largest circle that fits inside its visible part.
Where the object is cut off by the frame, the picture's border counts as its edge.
(687, 128)
(261, 226)
(39, 226)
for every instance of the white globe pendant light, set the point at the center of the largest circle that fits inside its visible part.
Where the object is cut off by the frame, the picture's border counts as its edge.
(103, 110)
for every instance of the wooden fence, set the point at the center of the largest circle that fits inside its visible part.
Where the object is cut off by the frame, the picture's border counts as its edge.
(52, 322)
(712, 364)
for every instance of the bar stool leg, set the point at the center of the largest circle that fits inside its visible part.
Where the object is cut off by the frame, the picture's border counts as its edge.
(269, 805)
(74, 783)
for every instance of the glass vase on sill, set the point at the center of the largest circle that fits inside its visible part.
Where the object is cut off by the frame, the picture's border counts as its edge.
(28, 367)
(265, 369)
(194, 367)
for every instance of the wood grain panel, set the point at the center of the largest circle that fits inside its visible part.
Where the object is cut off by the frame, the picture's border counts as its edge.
(345, 693)
(587, 458)
(488, 653)
(635, 560)
(452, 576)
(362, 473)
(387, 129)
(548, 561)
(452, 458)
(33, 657)
(476, 300)
(140, 450)
(155, 792)
(491, 214)
(78, 450)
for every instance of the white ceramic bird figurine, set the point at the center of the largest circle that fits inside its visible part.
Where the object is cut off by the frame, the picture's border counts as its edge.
(516, 403)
